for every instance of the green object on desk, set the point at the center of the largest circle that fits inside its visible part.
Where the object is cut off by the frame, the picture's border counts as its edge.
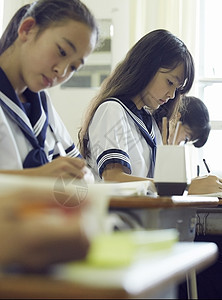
(122, 247)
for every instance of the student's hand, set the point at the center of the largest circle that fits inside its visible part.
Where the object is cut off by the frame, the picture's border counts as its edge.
(209, 184)
(36, 232)
(65, 167)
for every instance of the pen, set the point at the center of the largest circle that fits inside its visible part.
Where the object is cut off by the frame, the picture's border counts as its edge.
(58, 143)
(176, 134)
(198, 170)
(208, 170)
(164, 130)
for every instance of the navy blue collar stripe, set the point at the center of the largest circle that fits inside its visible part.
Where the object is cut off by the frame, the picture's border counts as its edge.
(16, 111)
(135, 117)
(36, 133)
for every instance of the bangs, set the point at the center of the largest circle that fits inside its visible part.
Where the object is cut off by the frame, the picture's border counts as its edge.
(188, 75)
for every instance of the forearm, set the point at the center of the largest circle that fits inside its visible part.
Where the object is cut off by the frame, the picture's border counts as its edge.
(116, 173)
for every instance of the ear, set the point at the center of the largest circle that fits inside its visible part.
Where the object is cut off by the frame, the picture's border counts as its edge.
(26, 28)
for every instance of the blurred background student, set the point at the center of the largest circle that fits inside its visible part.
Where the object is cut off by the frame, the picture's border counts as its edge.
(194, 116)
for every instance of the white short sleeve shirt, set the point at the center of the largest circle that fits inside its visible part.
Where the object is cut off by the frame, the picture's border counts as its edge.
(114, 137)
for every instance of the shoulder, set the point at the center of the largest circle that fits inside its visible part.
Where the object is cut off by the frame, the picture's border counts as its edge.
(112, 103)
(107, 114)
(111, 107)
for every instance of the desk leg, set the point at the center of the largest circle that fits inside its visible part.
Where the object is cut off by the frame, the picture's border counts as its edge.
(191, 285)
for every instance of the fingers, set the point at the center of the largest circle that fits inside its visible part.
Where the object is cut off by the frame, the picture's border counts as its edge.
(65, 167)
(208, 184)
(71, 167)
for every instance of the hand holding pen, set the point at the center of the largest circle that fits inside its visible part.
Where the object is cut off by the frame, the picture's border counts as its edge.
(82, 172)
(206, 185)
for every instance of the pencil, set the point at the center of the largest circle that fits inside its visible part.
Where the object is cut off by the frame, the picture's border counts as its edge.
(177, 131)
(164, 130)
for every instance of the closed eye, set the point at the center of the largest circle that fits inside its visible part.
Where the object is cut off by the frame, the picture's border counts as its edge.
(61, 51)
(170, 82)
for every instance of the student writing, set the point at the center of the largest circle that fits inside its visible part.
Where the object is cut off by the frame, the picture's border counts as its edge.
(119, 135)
(194, 116)
(43, 45)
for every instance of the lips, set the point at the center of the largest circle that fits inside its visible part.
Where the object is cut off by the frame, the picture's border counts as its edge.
(163, 101)
(47, 81)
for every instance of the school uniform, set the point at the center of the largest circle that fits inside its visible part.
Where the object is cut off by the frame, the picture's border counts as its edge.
(26, 139)
(121, 133)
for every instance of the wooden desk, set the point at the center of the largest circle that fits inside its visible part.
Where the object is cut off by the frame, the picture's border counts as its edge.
(163, 202)
(151, 277)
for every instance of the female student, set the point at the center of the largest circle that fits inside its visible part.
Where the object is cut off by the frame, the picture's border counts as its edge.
(119, 135)
(43, 45)
(195, 122)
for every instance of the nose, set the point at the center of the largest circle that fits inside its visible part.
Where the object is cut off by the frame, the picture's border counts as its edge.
(171, 92)
(61, 70)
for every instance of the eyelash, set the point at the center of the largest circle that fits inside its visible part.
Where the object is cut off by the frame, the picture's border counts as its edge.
(63, 53)
(170, 82)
